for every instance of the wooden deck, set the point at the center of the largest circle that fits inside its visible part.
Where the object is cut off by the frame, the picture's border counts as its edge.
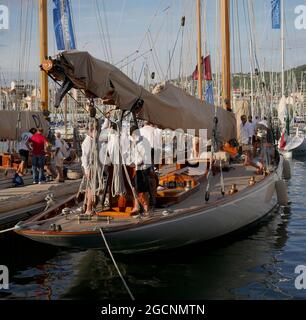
(19, 202)
(238, 174)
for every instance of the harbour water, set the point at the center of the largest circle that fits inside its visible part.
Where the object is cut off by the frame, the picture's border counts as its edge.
(256, 264)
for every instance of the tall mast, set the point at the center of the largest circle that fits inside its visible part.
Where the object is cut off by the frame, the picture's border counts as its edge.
(252, 85)
(43, 38)
(226, 54)
(283, 45)
(200, 75)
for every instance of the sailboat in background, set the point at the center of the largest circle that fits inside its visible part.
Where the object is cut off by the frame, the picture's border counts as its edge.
(31, 199)
(294, 145)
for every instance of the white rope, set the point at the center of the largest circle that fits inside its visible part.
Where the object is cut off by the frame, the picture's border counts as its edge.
(116, 266)
(8, 230)
(118, 187)
(130, 183)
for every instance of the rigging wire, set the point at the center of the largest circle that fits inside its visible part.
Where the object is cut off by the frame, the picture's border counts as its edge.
(173, 51)
(126, 58)
(155, 58)
(239, 35)
(137, 58)
(28, 49)
(151, 23)
(121, 17)
(101, 31)
(148, 29)
(107, 31)
(20, 37)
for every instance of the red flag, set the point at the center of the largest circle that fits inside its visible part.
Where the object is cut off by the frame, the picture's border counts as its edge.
(206, 69)
(195, 74)
(282, 143)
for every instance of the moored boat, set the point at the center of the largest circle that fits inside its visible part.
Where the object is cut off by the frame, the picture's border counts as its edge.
(190, 221)
(296, 145)
(220, 199)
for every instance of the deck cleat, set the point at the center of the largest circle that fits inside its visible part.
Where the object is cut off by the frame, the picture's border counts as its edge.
(233, 189)
(252, 181)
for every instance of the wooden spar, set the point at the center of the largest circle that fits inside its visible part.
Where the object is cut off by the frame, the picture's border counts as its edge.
(43, 37)
(226, 54)
(200, 65)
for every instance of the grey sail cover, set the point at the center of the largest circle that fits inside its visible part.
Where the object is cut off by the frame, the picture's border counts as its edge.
(170, 107)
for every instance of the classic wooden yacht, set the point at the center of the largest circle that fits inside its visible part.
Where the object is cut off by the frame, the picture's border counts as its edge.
(194, 204)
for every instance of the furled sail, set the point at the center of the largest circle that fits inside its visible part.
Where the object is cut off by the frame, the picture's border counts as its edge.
(14, 123)
(170, 107)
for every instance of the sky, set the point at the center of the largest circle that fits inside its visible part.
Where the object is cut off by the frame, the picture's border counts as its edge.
(152, 28)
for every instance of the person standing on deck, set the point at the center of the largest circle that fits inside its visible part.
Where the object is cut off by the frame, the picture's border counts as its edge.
(148, 131)
(38, 143)
(60, 154)
(245, 139)
(252, 126)
(24, 150)
(85, 159)
(256, 120)
(141, 158)
(158, 146)
(148, 134)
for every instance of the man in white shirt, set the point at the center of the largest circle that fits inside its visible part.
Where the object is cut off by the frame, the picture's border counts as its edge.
(24, 150)
(147, 132)
(252, 125)
(245, 139)
(60, 154)
(85, 159)
(141, 158)
(158, 145)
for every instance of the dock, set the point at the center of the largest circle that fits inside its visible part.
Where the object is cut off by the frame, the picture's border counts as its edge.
(18, 203)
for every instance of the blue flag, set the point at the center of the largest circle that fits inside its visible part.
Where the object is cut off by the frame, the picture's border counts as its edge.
(63, 26)
(209, 95)
(276, 14)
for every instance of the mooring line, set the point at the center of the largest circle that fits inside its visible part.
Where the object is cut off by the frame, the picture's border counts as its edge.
(116, 266)
(8, 230)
